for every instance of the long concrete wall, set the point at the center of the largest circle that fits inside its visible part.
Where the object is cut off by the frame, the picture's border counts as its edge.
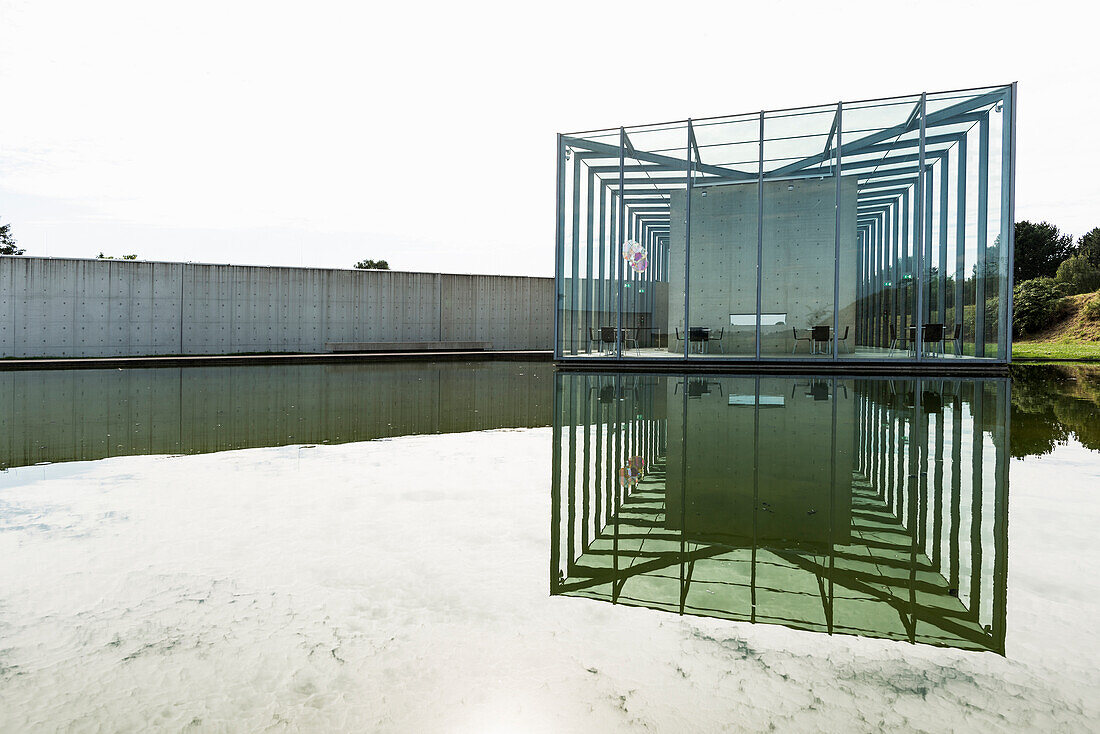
(54, 307)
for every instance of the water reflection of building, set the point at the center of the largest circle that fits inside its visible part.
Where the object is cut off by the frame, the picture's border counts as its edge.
(839, 505)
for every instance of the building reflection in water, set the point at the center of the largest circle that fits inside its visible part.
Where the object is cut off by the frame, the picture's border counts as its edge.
(865, 506)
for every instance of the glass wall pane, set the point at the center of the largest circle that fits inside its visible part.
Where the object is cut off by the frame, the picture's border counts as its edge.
(966, 134)
(566, 336)
(655, 165)
(878, 255)
(935, 249)
(1000, 226)
(798, 233)
(723, 240)
(588, 165)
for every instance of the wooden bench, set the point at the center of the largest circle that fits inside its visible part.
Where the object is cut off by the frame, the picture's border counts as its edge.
(407, 346)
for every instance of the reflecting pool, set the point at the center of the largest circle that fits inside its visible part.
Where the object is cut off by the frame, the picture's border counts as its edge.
(502, 547)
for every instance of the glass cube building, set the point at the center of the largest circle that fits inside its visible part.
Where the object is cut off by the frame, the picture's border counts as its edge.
(877, 231)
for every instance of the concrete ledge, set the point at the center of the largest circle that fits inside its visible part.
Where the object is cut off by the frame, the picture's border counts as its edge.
(104, 363)
(406, 346)
(940, 368)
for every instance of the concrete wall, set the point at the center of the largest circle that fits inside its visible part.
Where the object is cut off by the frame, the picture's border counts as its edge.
(799, 233)
(52, 307)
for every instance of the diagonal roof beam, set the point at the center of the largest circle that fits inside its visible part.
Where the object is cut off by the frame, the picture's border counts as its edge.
(670, 162)
(941, 117)
(870, 163)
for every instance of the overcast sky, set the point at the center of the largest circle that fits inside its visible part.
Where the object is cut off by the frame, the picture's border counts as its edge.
(322, 133)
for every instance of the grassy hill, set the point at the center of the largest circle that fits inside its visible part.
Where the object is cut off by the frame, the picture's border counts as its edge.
(1074, 334)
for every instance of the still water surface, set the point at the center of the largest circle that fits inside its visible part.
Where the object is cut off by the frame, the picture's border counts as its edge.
(496, 547)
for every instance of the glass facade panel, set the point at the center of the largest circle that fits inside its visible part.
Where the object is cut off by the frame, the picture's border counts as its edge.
(655, 163)
(587, 168)
(881, 150)
(877, 231)
(799, 232)
(722, 239)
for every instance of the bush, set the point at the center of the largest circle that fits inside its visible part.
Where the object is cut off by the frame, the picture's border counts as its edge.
(1078, 274)
(1036, 303)
(1092, 310)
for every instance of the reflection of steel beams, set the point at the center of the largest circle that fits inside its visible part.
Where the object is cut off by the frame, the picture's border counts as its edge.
(897, 516)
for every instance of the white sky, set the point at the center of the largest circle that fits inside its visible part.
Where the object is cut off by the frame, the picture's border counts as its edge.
(321, 133)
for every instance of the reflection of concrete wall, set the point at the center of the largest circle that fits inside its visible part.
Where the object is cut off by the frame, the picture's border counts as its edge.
(799, 229)
(67, 415)
(791, 448)
(104, 308)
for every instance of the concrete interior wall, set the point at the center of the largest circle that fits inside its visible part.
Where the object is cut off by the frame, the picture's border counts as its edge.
(798, 256)
(53, 307)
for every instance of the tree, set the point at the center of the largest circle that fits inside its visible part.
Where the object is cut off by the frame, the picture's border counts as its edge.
(1089, 246)
(101, 256)
(1040, 249)
(372, 265)
(1079, 275)
(7, 242)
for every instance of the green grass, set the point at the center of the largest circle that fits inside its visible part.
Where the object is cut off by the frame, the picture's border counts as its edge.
(1056, 350)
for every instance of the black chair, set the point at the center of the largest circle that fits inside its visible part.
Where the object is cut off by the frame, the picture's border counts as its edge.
(716, 337)
(820, 335)
(607, 338)
(934, 333)
(630, 335)
(893, 336)
(798, 339)
(956, 339)
(679, 336)
(699, 335)
(844, 340)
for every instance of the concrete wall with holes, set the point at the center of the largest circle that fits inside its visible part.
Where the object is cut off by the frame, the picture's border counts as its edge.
(799, 226)
(54, 307)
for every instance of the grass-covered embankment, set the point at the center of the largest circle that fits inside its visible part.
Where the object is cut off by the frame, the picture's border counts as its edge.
(1074, 333)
